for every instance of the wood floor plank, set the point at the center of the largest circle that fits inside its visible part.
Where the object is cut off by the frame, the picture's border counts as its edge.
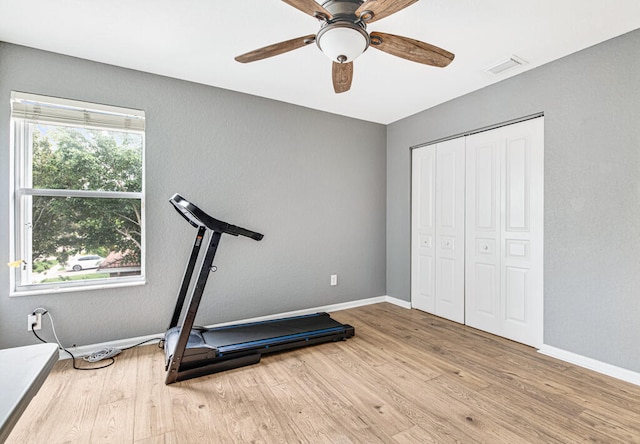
(430, 366)
(590, 384)
(120, 380)
(255, 418)
(311, 423)
(114, 424)
(368, 414)
(405, 377)
(165, 438)
(447, 415)
(617, 429)
(153, 406)
(203, 408)
(419, 435)
(400, 395)
(272, 425)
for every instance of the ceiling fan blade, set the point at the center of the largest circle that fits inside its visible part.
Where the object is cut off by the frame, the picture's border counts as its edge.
(382, 8)
(342, 74)
(411, 49)
(275, 49)
(309, 7)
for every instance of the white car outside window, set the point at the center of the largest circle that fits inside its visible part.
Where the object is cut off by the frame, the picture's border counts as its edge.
(85, 262)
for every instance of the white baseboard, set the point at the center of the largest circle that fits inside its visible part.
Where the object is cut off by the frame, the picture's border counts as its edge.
(398, 302)
(86, 350)
(591, 364)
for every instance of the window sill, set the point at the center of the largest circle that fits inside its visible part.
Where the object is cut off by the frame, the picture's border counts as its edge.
(72, 289)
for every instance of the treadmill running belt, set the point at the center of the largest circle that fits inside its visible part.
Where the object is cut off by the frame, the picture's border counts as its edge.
(259, 334)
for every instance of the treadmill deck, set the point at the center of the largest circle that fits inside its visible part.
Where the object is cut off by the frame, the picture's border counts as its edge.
(258, 337)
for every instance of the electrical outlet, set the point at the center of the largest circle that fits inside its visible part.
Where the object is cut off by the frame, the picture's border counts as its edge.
(34, 321)
(334, 280)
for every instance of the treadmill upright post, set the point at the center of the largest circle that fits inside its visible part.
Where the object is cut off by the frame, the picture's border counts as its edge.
(194, 302)
(188, 273)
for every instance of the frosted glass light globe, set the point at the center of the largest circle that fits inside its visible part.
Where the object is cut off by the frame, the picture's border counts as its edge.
(342, 44)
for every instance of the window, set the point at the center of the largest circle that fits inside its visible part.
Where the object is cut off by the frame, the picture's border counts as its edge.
(78, 195)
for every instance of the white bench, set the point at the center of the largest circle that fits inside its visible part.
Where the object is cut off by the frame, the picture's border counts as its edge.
(22, 373)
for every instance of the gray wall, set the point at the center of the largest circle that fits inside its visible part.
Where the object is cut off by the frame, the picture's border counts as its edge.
(266, 165)
(591, 102)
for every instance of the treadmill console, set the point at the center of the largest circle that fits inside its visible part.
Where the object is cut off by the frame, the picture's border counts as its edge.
(198, 218)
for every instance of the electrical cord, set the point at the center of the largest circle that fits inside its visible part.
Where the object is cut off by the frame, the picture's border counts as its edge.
(105, 353)
(43, 312)
(110, 352)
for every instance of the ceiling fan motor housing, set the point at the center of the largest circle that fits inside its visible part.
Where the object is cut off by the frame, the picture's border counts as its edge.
(343, 37)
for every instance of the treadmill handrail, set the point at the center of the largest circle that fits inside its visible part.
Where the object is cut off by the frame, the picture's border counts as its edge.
(198, 218)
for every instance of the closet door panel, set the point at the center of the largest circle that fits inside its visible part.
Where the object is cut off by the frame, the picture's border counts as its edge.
(517, 184)
(484, 185)
(522, 232)
(423, 228)
(483, 303)
(505, 225)
(483, 272)
(450, 215)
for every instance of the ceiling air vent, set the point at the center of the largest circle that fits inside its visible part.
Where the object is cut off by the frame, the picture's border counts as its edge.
(505, 65)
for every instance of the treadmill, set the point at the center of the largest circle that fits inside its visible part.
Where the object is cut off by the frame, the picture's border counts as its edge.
(191, 351)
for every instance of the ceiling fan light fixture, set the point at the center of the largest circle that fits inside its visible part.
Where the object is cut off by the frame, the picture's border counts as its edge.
(342, 43)
(343, 37)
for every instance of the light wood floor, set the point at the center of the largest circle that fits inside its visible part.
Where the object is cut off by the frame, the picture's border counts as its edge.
(406, 377)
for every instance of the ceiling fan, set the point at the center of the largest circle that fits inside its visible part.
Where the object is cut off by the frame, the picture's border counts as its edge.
(343, 37)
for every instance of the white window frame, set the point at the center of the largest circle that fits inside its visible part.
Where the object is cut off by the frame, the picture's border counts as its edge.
(28, 109)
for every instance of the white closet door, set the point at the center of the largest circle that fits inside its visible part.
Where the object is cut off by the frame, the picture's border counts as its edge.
(437, 254)
(504, 235)
(482, 309)
(522, 232)
(449, 251)
(423, 204)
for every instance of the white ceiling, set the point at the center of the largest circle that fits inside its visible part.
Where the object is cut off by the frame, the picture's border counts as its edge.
(197, 40)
